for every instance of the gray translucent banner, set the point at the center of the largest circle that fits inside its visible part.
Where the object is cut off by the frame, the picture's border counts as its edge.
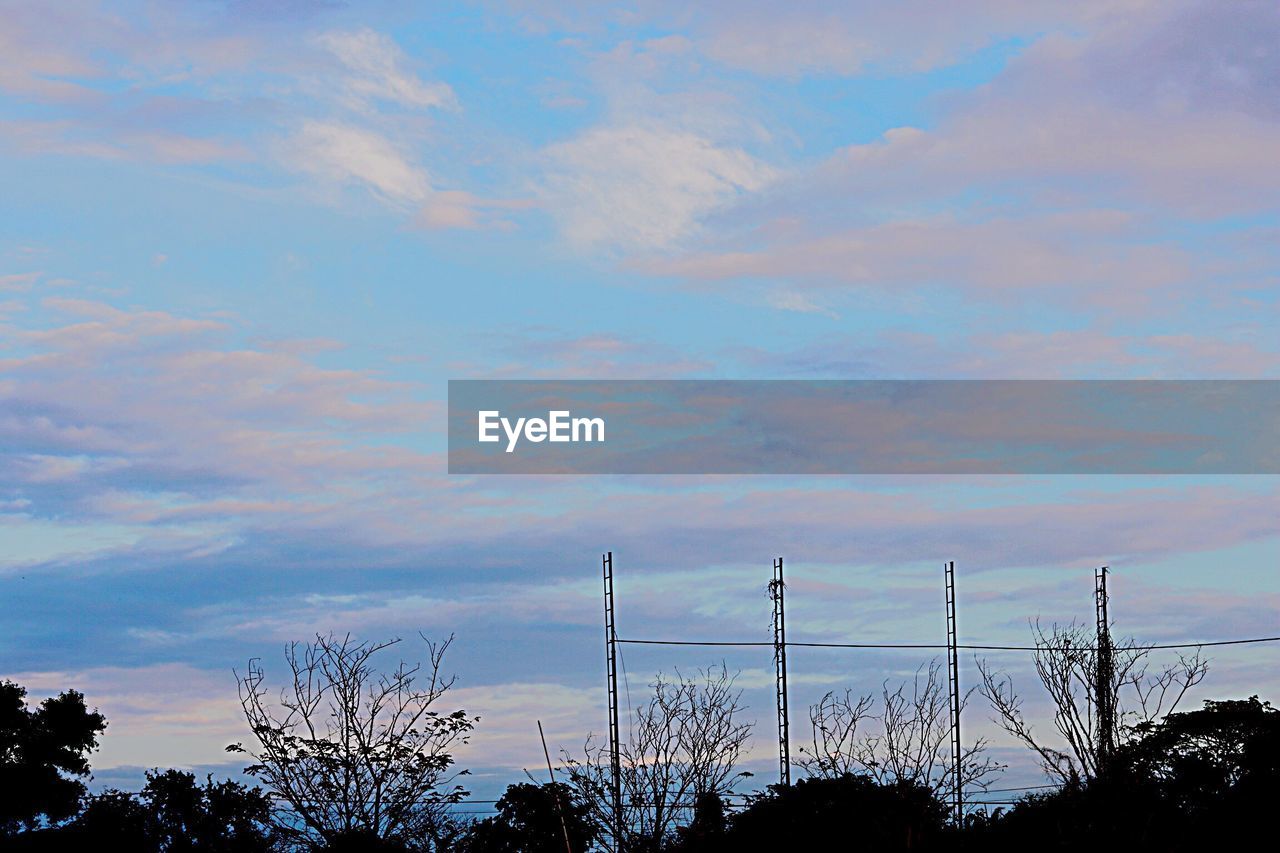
(864, 427)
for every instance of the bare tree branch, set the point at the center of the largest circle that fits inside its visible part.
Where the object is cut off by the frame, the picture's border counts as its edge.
(1066, 664)
(685, 743)
(350, 749)
(907, 741)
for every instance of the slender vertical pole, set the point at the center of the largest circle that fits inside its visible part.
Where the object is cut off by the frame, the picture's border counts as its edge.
(777, 593)
(611, 667)
(555, 792)
(953, 687)
(1104, 671)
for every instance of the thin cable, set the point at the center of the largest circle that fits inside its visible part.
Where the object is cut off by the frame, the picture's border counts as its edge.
(943, 646)
(626, 685)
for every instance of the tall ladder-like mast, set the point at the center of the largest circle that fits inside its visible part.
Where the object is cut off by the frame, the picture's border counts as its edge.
(953, 687)
(615, 732)
(1104, 671)
(777, 593)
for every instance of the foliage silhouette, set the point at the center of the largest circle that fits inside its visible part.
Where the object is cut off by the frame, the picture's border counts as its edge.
(1183, 781)
(1195, 779)
(529, 821)
(825, 813)
(708, 829)
(43, 754)
(174, 814)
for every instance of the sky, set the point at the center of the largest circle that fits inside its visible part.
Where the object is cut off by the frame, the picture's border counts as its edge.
(245, 244)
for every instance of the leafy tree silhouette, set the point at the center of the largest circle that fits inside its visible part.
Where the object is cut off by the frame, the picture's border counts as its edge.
(529, 821)
(43, 754)
(174, 814)
(1192, 780)
(708, 829)
(823, 814)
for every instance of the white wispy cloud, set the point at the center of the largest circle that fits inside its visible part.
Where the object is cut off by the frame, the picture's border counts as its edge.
(345, 153)
(638, 187)
(378, 70)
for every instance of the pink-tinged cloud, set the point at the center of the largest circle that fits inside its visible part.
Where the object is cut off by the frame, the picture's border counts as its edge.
(158, 715)
(1050, 183)
(1245, 352)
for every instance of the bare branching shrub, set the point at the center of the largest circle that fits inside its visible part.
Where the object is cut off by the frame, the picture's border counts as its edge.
(684, 743)
(351, 751)
(1066, 662)
(905, 737)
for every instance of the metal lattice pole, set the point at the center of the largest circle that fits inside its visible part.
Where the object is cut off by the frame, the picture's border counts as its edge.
(615, 731)
(1104, 672)
(777, 594)
(953, 687)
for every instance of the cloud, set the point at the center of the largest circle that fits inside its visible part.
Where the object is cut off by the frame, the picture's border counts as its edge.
(1180, 57)
(75, 139)
(1244, 352)
(507, 734)
(1050, 182)
(158, 715)
(145, 417)
(799, 303)
(1200, 165)
(19, 282)
(344, 153)
(98, 76)
(446, 209)
(377, 72)
(34, 64)
(543, 353)
(642, 188)
(838, 37)
(201, 91)
(205, 451)
(1091, 256)
(176, 715)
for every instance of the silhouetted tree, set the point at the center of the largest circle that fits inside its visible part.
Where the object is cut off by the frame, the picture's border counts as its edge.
(684, 744)
(354, 753)
(707, 832)
(112, 817)
(834, 813)
(174, 814)
(1191, 781)
(216, 816)
(44, 752)
(365, 841)
(1219, 764)
(906, 739)
(529, 821)
(1066, 663)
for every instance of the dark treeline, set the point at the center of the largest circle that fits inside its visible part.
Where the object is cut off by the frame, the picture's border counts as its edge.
(352, 755)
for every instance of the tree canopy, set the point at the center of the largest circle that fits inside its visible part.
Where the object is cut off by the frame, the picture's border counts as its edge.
(44, 753)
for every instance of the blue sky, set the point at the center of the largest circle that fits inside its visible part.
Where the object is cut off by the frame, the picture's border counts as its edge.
(245, 244)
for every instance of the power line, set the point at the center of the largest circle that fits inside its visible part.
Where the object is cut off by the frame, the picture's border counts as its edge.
(1016, 790)
(677, 803)
(940, 646)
